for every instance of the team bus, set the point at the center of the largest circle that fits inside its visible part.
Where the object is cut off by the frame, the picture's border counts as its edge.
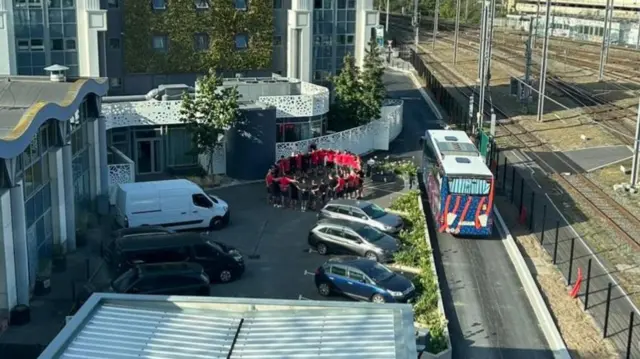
(459, 184)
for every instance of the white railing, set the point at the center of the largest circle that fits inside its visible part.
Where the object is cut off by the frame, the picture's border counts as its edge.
(123, 172)
(313, 101)
(375, 135)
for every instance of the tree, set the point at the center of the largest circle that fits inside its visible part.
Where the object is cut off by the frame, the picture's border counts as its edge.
(348, 92)
(373, 91)
(209, 114)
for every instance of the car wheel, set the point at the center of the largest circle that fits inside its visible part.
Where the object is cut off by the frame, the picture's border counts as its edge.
(216, 223)
(324, 289)
(225, 276)
(377, 298)
(322, 248)
(372, 256)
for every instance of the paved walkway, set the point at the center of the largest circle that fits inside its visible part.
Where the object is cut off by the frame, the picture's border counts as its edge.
(621, 305)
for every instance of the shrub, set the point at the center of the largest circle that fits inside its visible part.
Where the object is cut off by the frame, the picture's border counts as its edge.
(416, 252)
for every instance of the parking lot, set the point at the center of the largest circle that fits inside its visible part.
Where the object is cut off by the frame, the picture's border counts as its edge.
(274, 243)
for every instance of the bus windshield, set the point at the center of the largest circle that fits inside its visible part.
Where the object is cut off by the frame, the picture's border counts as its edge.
(470, 186)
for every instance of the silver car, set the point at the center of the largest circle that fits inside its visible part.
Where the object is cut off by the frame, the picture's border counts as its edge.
(344, 237)
(362, 212)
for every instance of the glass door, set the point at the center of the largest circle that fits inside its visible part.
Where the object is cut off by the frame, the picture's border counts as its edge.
(148, 156)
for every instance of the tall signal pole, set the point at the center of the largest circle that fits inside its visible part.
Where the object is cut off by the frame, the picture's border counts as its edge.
(524, 95)
(386, 25)
(604, 50)
(543, 66)
(457, 30)
(416, 23)
(485, 54)
(636, 149)
(436, 12)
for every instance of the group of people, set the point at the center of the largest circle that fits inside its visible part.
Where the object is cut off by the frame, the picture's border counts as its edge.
(314, 177)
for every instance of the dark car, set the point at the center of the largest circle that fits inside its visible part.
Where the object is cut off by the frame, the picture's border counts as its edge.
(363, 279)
(221, 262)
(163, 278)
(362, 212)
(345, 237)
(107, 245)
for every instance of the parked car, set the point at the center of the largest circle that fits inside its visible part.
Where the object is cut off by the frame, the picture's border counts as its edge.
(163, 278)
(221, 262)
(107, 245)
(344, 237)
(176, 204)
(363, 279)
(362, 212)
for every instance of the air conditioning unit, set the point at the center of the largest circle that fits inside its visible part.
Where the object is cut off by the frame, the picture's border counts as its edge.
(172, 92)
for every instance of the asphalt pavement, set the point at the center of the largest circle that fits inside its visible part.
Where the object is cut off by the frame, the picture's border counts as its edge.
(489, 314)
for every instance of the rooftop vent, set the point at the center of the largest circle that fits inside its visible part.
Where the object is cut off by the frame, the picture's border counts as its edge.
(451, 138)
(462, 160)
(172, 92)
(57, 73)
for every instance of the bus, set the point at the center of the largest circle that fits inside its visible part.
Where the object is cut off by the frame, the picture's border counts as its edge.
(459, 184)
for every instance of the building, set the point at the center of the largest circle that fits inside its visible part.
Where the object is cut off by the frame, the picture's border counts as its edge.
(594, 9)
(53, 155)
(140, 46)
(117, 325)
(147, 129)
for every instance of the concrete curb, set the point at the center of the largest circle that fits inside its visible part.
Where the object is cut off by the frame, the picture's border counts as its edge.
(548, 326)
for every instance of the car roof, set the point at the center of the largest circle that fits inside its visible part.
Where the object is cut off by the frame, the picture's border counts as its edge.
(359, 262)
(161, 241)
(159, 185)
(173, 268)
(141, 230)
(350, 202)
(341, 222)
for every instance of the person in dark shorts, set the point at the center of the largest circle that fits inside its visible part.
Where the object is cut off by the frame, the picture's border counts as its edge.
(314, 192)
(294, 193)
(304, 194)
(268, 182)
(360, 190)
(323, 189)
(285, 191)
(276, 196)
(332, 185)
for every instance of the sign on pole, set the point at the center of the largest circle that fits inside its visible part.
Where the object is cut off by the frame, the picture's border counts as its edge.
(380, 35)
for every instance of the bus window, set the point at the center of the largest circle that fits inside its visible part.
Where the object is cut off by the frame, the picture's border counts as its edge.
(428, 151)
(470, 186)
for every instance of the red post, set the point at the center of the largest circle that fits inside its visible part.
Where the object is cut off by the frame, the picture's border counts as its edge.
(576, 287)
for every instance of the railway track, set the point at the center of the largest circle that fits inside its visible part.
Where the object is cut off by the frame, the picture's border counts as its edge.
(626, 224)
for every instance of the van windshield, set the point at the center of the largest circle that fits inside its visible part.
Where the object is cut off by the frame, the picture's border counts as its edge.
(125, 281)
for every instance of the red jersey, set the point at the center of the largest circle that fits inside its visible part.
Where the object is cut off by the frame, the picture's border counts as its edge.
(269, 178)
(353, 180)
(287, 164)
(315, 157)
(284, 183)
(331, 156)
(341, 183)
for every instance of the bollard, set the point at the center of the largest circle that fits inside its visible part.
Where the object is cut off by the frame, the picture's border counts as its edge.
(586, 290)
(606, 311)
(573, 243)
(544, 222)
(521, 193)
(88, 268)
(555, 245)
(630, 337)
(533, 202)
(504, 175)
(513, 184)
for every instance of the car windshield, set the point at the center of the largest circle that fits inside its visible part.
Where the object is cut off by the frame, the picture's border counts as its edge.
(379, 273)
(370, 234)
(215, 200)
(125, 281)
(374, 211)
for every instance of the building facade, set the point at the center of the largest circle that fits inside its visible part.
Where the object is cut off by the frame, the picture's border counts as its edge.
(140, 46)
(53, 160)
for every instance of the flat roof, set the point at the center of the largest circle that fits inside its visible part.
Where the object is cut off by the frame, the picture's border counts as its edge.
(457, 153)
(26, 102)
(142, 326)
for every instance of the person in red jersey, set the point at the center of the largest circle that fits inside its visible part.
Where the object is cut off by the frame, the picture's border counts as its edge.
(269, 181)
(340, 187)
(352, 183)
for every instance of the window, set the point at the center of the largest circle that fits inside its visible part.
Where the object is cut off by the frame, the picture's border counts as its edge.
(70, 44)
(201, 42)
(277, 4)
(115, 82)
(159, 4)
(114, 44)
(201, 200)
(350, 236)
(343, 210)
(23, 45)
(277, 40)
(355, 275)
(338, 271)
(112, 4)
(37, 45)
(240, 4)
(331, 231)
(242, 41)
(57, 44)
(160, 43)
(333, 209)
(201, 4)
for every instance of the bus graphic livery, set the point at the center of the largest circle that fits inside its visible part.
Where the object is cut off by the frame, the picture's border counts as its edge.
(458, 182)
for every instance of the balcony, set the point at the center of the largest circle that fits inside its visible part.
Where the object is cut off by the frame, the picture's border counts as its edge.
(121, 170)
(291, 98)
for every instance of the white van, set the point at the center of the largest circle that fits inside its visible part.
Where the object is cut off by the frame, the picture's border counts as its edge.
(176, 204)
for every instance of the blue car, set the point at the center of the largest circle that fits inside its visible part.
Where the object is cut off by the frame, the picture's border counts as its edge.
(363, 279)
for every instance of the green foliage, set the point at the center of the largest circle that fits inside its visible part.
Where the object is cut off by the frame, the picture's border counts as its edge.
(181, 21)
(348, 91)
(417, 253)
(209, 114)
(403, 168)
(373, 91)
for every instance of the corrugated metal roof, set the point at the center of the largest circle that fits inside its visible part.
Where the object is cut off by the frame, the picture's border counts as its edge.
(199, 328)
